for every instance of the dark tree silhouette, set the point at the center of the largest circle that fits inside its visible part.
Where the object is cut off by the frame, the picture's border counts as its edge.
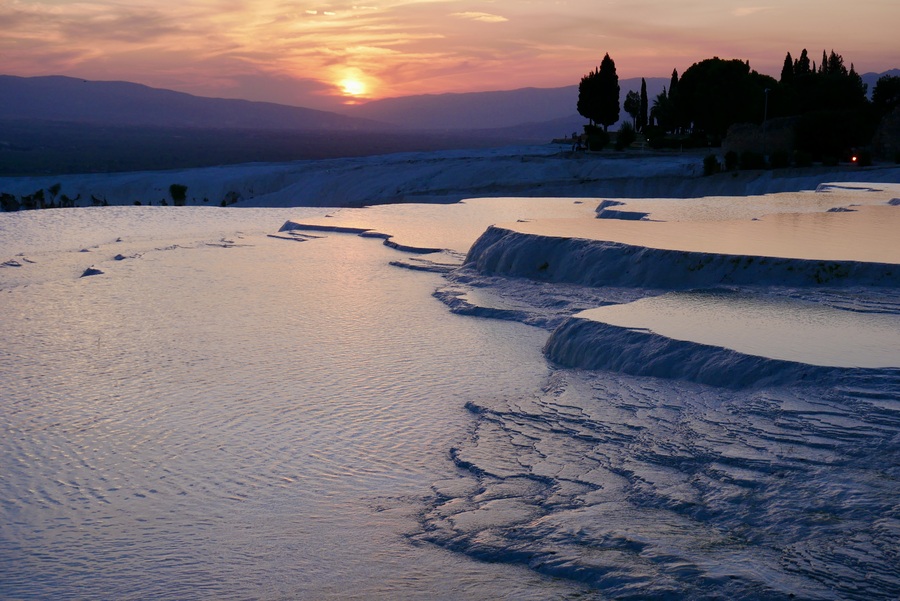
(632, 106)
(886, 95)
(801, 67)
(832, 113)
(54, 190)
(587, 96)
(831, 88)
(609, 90)
(642, 118)
(662, 112)
(716, 93)
(178, 193)
(598, 94)
(787, 71)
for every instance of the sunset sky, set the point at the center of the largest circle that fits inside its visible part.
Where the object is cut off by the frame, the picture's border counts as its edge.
(324, 54)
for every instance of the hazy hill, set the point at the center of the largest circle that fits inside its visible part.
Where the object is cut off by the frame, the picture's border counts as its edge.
(118, 103)
(65, 125)
(543, 111)
(870, 79)
(492, 110)
(474, 110)
(52, 125)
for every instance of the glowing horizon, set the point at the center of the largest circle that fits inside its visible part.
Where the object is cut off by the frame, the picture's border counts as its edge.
(326, 54)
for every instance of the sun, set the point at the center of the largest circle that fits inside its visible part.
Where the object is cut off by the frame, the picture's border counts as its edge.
(352, 87)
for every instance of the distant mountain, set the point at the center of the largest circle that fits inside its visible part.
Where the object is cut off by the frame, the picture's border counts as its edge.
(539, 109)
(475, 110)
(119, 103)
(870, 79)
(490, 110)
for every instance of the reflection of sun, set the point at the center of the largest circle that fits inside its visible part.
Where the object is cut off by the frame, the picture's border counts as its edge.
(352, 87)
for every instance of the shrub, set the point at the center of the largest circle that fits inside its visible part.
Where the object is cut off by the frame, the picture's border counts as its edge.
(231, 197)
(699, 139)
(830, 134)
(780, 159)
(653, 133)
(710, 164)
(864, 158)
(178, 193)
(626, 136)
(803, 159)
(597, 138)
(731, 160)
(54, 191)
(752, 160)
(8, 202)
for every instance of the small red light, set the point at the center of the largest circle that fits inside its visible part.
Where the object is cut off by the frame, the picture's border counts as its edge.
(853, 159)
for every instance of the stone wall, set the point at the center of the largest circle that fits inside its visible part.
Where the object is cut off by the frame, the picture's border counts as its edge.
(774, 135)
(886, 143)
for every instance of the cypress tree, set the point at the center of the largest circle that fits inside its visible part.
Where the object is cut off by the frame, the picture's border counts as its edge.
(587, 96)
(673, 84)
(608, 90)
(642, 118)
(787, 70)
(676, 110)
(632, 106)
(801, 67)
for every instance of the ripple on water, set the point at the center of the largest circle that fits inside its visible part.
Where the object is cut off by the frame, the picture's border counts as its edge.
(652, 488)
(243, 421)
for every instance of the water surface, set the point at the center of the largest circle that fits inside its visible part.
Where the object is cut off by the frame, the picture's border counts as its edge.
(238, 417)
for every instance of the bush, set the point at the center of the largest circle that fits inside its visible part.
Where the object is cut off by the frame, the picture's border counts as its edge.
(864, 158)
(626, 136)
(752, 160)
(710, 164)
(231, 197)
(803, 159)
(653, 133)
(830, 134)
(178, 193)
(699, 139)
(666, 142)
(731, 160)
(597, 138)
(780, 159)
(8, 202)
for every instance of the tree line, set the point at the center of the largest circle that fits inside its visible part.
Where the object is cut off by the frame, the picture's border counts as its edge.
(826, 104)
(39, 199)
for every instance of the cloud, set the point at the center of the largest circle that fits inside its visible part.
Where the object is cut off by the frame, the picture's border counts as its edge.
(746, 11)
(482, 17)
(280, 48)
(131, 26)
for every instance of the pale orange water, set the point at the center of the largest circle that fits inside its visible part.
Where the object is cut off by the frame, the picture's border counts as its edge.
(869, 233)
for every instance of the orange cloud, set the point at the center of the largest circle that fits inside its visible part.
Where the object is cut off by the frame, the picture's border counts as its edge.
(398, 47)
(746, 11)
(483, 17)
